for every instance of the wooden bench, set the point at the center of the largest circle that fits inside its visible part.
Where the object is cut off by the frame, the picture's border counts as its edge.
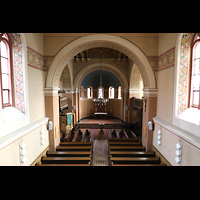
(75, 143)
(127, 148)
(130, 134)
(131, 154)
(125, 143)
(65, 160)
(74, 148)
(62, 165)
(122, 140)
(130, 160)
(69, 153)
(137, 165)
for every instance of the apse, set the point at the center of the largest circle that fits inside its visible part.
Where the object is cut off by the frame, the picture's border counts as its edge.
(108, 79)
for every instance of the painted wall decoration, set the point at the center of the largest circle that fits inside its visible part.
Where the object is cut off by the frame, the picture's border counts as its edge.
(18, 72)
(35, 59)
(65, 77)
(184, 72)
(163, 61)
(38, 61)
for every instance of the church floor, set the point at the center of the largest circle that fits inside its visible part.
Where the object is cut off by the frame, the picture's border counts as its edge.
(100, 147)
(105, 121)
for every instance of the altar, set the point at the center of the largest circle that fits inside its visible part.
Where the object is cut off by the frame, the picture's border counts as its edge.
(101, 115)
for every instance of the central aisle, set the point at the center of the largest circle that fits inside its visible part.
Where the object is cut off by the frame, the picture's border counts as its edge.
(100, 149)
(100, 153)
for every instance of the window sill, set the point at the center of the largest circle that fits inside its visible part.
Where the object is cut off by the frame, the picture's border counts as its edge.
(191, 115)
(12, 120)
(11, 114)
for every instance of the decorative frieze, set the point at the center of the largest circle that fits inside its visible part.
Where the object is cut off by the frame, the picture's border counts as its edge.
(163, 61)
(37, 60)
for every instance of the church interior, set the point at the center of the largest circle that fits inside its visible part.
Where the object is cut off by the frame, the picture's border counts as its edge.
(100, 99)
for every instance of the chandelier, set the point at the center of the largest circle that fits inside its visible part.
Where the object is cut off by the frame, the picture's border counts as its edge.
(100, 101)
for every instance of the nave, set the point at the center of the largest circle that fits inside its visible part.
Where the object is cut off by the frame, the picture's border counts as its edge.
(100, 147)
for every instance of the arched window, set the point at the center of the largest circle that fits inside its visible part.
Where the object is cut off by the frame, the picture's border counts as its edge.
(119, 92)
(111, 92)
(100, 92)
(6, 71)
(89, 92)
(194, 100)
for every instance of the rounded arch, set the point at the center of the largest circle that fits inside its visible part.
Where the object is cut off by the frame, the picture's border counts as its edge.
(105, 66)
(100, 40)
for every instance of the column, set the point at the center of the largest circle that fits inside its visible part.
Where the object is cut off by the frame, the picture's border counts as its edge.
(125, 105)
(52, 112)
(150, 96)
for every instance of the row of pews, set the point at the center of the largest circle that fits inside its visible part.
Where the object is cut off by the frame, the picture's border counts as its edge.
(78, 136)
(86, 136)
(130, 152)
(122, 134)
(69, 154)
(123, 151)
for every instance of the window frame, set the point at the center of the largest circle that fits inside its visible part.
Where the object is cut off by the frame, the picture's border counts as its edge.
(191, 90)
(8, 42)
(91, 92)
(111, 88)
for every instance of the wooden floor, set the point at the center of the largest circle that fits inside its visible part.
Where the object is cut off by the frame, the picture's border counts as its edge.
(105, 121)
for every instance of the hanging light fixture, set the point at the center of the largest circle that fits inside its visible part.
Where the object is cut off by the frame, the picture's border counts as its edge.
(100, 101)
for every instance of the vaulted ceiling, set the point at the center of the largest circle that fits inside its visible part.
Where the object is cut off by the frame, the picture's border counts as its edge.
(106, 53)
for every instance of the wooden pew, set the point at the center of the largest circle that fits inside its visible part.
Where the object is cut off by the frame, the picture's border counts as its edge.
(68, 153)
(131, 160)
(131, 154)
(114, 134)
(65, 160)
(127, 148)
(122, 134)
(125, 143)
(70, 136)
(74, 148)
(87, 136)
(138, 165)
(122, 140)
(130, 134)
(75, 143)
(62, 165)
(78, 136)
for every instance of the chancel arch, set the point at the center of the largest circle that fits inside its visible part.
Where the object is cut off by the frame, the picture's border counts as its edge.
(68, 52)
(100, 40)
